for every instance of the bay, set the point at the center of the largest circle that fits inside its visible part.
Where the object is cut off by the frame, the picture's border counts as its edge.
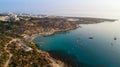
(91, 45)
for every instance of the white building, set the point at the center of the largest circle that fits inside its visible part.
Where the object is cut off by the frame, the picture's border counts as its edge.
(13, 17)
(9, 18)
(4, 18)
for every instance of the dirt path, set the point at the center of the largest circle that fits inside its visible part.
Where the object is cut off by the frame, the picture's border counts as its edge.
(10, 55)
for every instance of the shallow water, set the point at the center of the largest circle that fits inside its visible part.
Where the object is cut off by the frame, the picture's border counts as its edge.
(103, 50)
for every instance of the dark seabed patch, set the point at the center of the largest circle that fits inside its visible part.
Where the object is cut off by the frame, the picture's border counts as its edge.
(69, 59)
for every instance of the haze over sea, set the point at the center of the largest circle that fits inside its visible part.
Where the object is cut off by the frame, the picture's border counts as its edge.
(85, 8)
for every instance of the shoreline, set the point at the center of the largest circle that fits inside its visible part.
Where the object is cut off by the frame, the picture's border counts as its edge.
(60, 63)
(28, 28)
(45, 34)
(66, 62)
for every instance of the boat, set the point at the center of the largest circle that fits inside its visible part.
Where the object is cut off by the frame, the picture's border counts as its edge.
(90, 37)
(115, 38)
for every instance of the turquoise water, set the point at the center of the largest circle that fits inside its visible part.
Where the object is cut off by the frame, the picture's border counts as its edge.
(76, 47)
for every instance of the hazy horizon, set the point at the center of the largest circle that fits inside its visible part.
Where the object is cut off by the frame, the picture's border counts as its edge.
(86, 8)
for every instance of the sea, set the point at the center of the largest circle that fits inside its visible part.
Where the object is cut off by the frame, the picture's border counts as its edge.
(90, 45)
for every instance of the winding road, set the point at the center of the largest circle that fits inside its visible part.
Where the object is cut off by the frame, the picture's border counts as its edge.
(10, 54)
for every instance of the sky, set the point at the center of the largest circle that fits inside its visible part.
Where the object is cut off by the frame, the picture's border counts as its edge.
(89, 8)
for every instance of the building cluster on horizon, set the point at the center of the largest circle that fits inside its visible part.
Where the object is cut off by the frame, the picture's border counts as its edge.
(9, 17)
